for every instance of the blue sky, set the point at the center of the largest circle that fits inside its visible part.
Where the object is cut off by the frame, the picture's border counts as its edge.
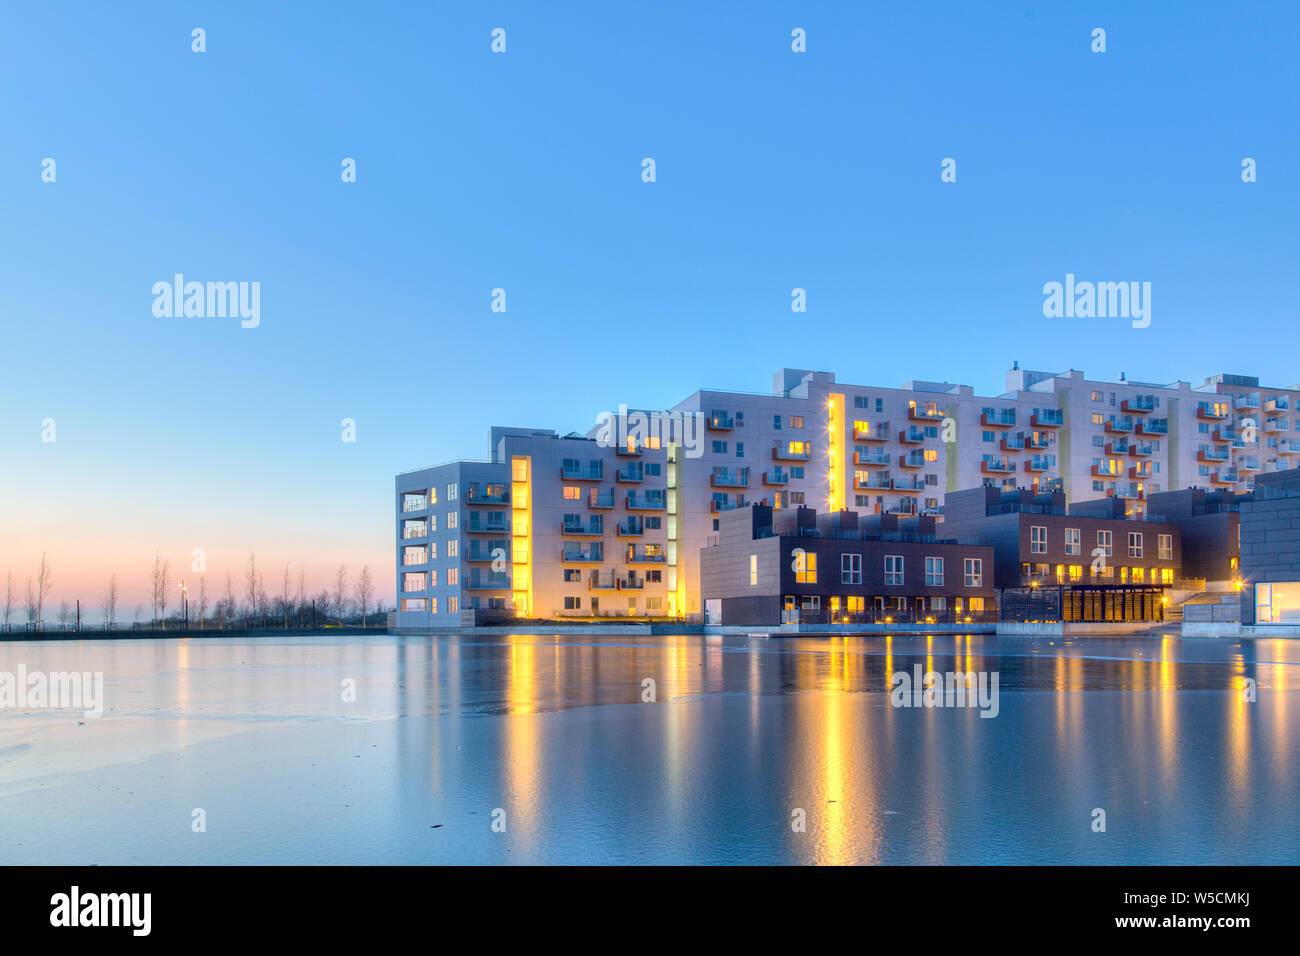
(523, 171)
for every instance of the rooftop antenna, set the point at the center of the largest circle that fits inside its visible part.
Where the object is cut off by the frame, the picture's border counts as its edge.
(1015, 366)
(1122, 377)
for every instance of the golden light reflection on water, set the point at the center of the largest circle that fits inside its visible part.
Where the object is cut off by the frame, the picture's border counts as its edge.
(522, 755)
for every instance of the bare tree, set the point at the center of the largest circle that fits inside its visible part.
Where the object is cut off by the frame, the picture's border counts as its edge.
(155, 577)
(44, 582)
(203, 599)
(302, 593)
(228, 612)
(65, 613)
(164, 580)
(340, 591)
(139, 609)
(263, 605)
(364, 592)
(108, 601)
(9, 598)
(32, 604)
(284, 595)
(250, 582)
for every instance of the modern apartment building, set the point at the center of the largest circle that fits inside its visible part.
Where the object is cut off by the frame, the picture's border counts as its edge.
(827, 445)
(549, 527)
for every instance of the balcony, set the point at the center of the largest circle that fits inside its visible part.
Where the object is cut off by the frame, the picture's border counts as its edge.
(719, 422)
(1010, 443)
(629, 473)
(593, 527)
(1140, 449)
(718, 505)
(776, 478)
(904, 506)
(1285, 447)
(997, 466)
(791, 451)
(910, 483)
(1247, 463)
(1276, 425)
(489, 582)
(1213, 454)
(1225, 433)
(600, 500)
(631, 582)
(1139, 403)
(1279, 404)
(1119, 424)
(646, 501)
(722, 478)
(873, 482)
(484, 553)
(576, 471)
(1036, 441)
(1048, 418)
(1153, 426)
(872, 432)
(1225, 477)
(648, 554)
(912, 460)
(1119, 446)
(593, 554)
(1006, 418)
(597, 581)
(1212, 412)
(1129, 491)
(928, 414)
(630, 528)
(1036, 464)
(1141, 470)
(487, 495)
(629, 448)
(912, 436)
(1247, 402)
(487, 526)
(872, 459)
(412, 503)
(1113, 470)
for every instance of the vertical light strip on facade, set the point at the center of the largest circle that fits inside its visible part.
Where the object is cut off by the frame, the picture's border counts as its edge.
(521, 528)
(837, 464)
(676, 582)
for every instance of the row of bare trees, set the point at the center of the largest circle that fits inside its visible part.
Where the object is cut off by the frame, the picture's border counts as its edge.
(346, 600)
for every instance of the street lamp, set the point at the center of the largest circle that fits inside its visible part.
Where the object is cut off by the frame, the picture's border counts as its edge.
(185, 604)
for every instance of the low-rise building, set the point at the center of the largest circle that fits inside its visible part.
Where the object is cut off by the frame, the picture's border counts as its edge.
(767, 567)
(1270, 552)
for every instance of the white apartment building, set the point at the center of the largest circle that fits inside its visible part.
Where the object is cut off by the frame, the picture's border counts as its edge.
(816, 442)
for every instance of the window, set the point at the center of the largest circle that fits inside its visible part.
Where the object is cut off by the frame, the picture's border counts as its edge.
(451, 519)
(850, 569)
(573, 603)
(1135, 544)
(1103, 542)
(805, 567)
(453, 577)
(412, 582)
(433, 522)
(974, 572)
(572, 493)
(1165, 547)
(796, 421)
(753, 570)
(451, 492)
(1038, 539)
(1073, 541)
(413, 556)
(938, 604)
(740, 449)
(433, 577)
(719, 447)
(776, 422)
(934, 572)
(976, 605)
(413, 604)
(453, 605)
(433, 549)
(990, 436)
(894, 569)
(453, 548)
(572, 574)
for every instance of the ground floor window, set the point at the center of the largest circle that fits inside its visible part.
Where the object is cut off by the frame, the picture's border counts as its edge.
(1277, 603)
